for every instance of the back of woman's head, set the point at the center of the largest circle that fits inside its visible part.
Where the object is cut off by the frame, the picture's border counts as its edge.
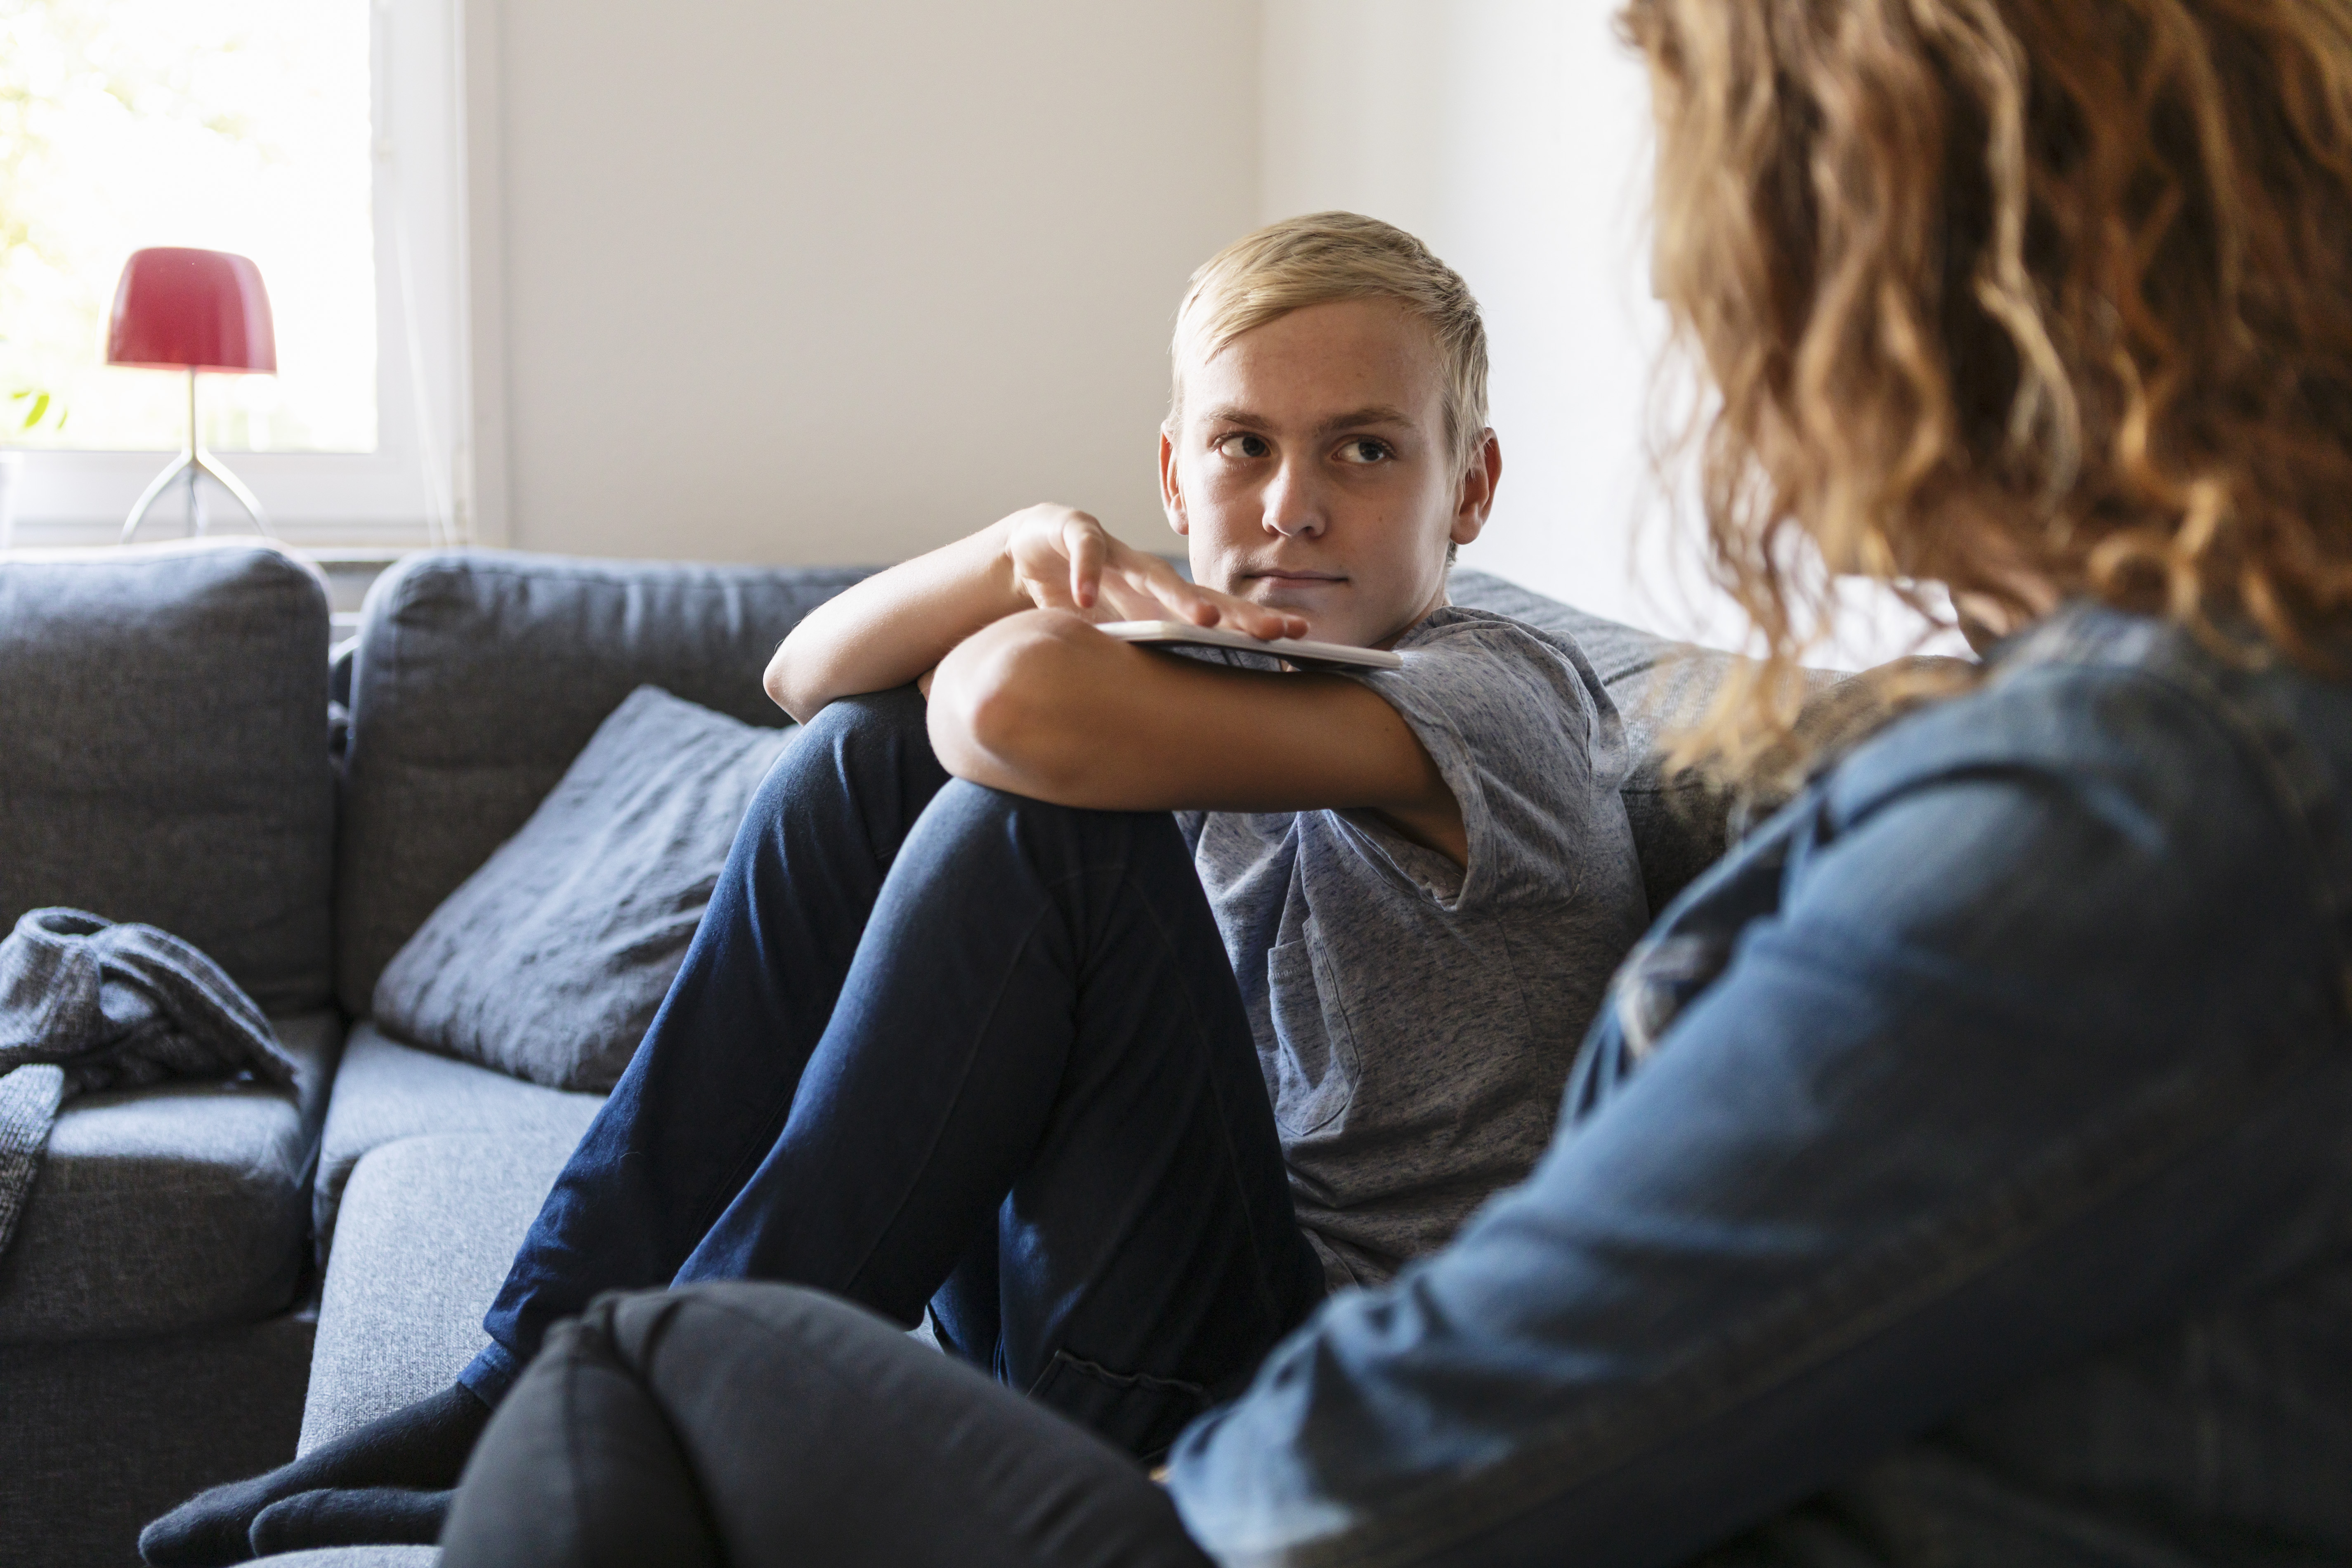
(2015, 294)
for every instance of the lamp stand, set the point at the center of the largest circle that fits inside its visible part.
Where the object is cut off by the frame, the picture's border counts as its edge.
(195, 462)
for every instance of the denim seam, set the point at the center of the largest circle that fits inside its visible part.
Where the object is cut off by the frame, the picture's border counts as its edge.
(2294, 781)
(963, 1079)
(756, 1149)
(1119, 1379)
(1710, 1383)
(1258, 1262)
(2297, 787)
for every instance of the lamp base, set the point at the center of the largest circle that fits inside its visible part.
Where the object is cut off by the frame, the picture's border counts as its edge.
(193, 463)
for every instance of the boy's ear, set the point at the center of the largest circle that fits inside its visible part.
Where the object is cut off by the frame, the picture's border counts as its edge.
(1476, 501)
(1171, 489)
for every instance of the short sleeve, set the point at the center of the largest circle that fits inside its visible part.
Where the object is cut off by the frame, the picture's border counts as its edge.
(1527, 740)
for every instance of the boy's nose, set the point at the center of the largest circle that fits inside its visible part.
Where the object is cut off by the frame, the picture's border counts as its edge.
(1293, 509)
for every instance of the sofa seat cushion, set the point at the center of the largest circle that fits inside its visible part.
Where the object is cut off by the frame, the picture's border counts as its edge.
(429, 1227)
(97, 1437)
(386, 1092)
(177, 1206)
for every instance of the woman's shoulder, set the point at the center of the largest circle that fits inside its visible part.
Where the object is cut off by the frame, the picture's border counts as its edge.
(2199, 770)
(2097, 692)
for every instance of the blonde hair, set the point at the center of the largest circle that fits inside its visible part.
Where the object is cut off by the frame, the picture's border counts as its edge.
(2006, 292)
(1323, 258)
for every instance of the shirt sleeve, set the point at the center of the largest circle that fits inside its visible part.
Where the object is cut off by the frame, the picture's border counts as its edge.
(2035, 1046)
(1527, 740)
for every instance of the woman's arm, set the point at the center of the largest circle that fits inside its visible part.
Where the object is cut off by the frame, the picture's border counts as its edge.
(2037, 1051)
(897, 625)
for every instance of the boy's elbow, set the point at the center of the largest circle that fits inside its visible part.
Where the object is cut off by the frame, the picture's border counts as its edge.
(999, 707)
(792, 684)
(773, 683)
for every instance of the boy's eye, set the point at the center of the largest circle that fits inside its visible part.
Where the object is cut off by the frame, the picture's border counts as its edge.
(1364, 449)
(1242, 444)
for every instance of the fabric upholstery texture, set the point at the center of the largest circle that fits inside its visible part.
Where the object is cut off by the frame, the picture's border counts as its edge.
(549, 961)
(99, 1437)
(386, 1092)
(356, 1557)
(165, 710)
(428, 1228)
(482, 674)
(176, 1206)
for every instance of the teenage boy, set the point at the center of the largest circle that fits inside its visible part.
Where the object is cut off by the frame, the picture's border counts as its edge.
(974, 1022)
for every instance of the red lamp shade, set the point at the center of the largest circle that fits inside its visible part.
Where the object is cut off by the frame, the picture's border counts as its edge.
(203, 309)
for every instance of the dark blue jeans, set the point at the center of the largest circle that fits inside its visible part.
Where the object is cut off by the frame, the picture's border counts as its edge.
(935, 1043)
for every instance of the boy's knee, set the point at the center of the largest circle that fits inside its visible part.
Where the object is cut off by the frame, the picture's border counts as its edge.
(851, 743)
(985, 820)
(869, 730)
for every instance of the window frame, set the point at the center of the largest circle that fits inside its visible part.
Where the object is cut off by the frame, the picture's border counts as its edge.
(415, 489)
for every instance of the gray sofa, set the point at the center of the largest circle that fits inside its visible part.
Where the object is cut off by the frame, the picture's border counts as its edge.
(208, 1274)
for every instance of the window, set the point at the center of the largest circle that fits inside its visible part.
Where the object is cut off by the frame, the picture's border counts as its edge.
(318, 137)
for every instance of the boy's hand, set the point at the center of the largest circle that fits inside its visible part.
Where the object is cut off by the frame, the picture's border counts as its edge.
(1065, 560)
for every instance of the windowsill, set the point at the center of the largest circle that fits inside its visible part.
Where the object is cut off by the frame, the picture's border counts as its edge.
(310, 499)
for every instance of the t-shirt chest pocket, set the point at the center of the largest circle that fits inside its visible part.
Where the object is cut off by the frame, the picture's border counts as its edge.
(1312, 1075)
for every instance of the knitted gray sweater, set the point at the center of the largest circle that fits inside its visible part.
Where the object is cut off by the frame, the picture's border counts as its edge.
(87, 1004)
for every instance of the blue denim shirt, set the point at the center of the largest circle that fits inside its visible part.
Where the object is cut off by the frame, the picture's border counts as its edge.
(1962, 1172)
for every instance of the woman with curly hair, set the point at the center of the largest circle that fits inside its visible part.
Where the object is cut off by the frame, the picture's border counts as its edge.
(1962, 1170)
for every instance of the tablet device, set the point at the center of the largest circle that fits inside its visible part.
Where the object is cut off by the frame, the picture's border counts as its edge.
(1304, 653)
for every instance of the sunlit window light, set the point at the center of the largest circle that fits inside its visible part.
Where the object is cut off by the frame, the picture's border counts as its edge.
(239, 125)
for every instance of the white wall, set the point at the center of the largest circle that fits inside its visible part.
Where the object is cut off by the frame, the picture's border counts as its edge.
(776, 280)
(813, 283)
(1513, 136)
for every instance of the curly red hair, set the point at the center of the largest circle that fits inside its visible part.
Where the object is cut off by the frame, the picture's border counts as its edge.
(2015, 296)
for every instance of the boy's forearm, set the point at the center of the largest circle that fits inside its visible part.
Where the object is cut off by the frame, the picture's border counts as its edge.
(895, 625)
(1046, 707)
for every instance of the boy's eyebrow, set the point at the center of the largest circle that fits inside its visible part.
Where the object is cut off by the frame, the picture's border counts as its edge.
(1372, 414)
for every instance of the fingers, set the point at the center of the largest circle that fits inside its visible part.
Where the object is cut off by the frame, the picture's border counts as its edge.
(1046, 551)
(1258, 620)
(1063, 559)
(1083, 541)
(1153, 590)
(1208, 608)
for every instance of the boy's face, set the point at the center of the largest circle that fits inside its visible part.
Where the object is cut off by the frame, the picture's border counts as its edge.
(1312, 472)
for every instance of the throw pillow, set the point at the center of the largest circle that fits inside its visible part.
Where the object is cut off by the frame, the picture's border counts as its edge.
(549, 961)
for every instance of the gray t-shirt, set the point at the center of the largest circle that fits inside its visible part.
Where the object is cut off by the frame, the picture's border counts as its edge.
(1417, 1020)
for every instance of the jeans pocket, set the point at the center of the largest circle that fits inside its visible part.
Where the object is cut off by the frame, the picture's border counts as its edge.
(1135, 1410)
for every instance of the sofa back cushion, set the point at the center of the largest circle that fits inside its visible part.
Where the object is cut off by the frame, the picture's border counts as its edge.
(163, 750)
(479, 677)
